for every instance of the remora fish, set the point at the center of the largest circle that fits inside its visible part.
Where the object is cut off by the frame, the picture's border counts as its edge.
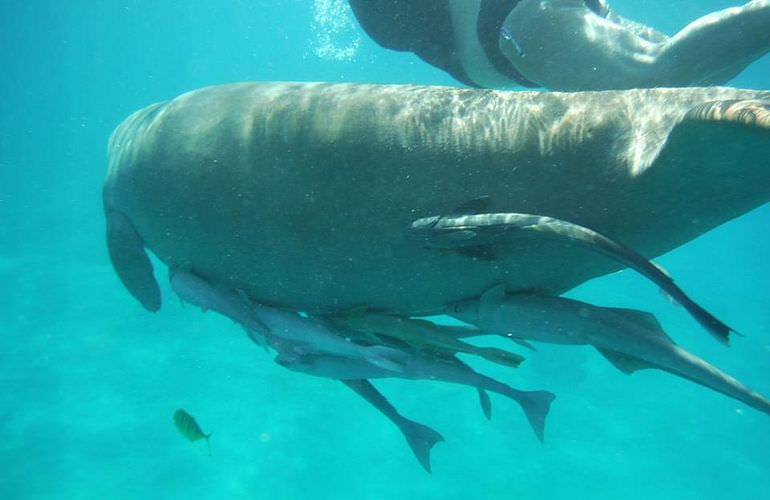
(307, 334)
(189, 428)
(289, 353)
(420, 366)
(630, 339)
(422, 334)
(197, 291)
(474, 233)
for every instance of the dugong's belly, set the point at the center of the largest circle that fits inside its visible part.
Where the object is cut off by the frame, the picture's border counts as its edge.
(300, 194)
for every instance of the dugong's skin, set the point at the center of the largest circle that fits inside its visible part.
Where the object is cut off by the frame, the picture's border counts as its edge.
(300, 193)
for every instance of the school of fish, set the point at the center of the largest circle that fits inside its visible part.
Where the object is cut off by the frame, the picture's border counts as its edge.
(359, 345)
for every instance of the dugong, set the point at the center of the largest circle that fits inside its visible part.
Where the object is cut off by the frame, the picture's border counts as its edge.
(299, 193)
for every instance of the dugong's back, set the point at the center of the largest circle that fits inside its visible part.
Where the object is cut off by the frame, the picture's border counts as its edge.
(300, 194)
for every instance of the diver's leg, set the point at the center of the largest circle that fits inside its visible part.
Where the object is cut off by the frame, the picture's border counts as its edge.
(716, 47)
(565, 45)
(641, 30)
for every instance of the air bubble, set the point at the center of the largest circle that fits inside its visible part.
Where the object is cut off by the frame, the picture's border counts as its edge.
(335, 35)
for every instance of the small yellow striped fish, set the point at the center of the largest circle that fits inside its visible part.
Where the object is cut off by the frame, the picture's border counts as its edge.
(189, 428)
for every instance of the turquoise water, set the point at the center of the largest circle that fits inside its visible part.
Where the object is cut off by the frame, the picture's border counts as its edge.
(89, 381)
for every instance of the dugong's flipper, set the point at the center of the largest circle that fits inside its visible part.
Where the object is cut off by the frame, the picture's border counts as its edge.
(131, 261)
(421, 438)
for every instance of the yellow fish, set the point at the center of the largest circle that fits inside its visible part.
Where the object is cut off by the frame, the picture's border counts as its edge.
(189, 428)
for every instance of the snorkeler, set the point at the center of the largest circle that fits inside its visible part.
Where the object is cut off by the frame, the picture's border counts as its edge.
(566, 44)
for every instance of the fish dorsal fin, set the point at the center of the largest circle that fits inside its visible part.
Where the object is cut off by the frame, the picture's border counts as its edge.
(492, 296)
(623, 362)
(474, 206)
(647, 320)
(486, 404)
(250, 304)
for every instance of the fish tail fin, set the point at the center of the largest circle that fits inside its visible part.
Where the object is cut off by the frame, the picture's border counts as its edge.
(715, 327)
(421, 439)
(711, 323)
(536, 405)
(500, 356)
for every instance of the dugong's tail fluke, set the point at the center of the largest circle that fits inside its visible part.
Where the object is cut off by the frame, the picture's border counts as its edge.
(130, 260)
(420, 438)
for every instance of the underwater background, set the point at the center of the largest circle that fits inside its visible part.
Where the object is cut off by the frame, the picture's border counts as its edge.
(89, 381)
